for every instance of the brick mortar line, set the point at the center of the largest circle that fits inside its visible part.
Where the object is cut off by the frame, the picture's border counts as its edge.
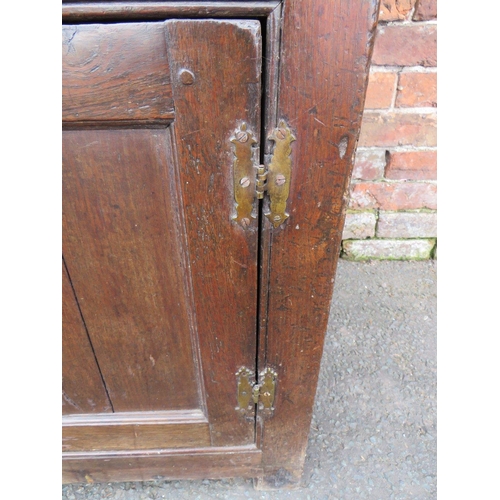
(395, 181)
(377, 218)
(395, 92)
(378, 238)
(387, 68)
(407, 22)
(409, 15)
(403, 111)
(412, 12)
(397, 149)
(402, 211)
(388, 159)
(393, 108)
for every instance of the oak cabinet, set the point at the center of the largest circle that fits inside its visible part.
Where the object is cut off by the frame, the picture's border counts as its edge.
(207, 148)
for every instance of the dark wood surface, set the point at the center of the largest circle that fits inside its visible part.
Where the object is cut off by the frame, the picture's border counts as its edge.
(136, 431)
(222, 255)
(165, 279)
(82, 387)
(242, 461)
(117, 11)
(271, 71)
(325, 54)
(115, 72)
(122, 242)
(318, 55)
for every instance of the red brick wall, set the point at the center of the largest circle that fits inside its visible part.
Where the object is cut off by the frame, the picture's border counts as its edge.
(392, 209)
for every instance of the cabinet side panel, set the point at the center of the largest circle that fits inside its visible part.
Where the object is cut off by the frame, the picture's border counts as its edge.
(326, 49)
(82, 387)
(122, 245)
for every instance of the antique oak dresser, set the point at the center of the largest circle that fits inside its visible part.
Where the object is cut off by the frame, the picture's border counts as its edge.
(207, 152)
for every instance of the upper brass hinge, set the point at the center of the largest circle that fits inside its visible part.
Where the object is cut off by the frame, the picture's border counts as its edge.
(251, 393)
(253, 181)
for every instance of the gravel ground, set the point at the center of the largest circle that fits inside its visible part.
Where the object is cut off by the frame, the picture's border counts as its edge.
(373, 433)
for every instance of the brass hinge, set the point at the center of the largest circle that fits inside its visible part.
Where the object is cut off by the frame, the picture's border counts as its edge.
(251, 393)
(253, 181)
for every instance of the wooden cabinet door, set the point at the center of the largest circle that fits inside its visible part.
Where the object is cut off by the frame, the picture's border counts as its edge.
(160, 283)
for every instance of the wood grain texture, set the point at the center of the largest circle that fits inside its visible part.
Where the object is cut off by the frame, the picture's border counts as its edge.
(82, 387)
(162, 465)
(325, 55)
(324, 49)
(116, 11)
(115, 72)
(122, 241)
(226, 64)
(136, 431)
(271, 72)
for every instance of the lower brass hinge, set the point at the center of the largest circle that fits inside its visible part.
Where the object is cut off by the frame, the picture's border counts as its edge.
(251, 393)
(253, 181)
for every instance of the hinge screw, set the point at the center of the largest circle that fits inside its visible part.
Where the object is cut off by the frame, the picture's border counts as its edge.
(241, 136)
(245, 182)
(245, 222)
(281, 133)
(280, 180)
